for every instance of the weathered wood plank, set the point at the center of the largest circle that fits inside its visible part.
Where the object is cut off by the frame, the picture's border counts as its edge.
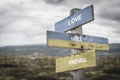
(77, 61)
(76, 45)
(79, 37)
(79, 18)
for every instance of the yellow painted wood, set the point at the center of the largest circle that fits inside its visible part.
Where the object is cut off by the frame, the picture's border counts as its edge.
(76, 45)
(78, 61)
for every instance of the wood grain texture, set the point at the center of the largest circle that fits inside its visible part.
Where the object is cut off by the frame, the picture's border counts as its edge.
(76, 45)
(77, 61)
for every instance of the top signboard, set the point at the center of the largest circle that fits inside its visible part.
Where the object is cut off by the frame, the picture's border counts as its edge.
(79, 18)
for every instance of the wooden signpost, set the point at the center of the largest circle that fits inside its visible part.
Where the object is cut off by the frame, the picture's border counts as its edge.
(77, 41)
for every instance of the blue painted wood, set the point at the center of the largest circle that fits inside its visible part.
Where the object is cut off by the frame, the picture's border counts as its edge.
(79, 18)
(83, 38)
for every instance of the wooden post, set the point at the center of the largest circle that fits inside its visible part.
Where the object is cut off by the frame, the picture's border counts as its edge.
(78, 74)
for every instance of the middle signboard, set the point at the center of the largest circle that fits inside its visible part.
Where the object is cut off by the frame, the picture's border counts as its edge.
(63, 40)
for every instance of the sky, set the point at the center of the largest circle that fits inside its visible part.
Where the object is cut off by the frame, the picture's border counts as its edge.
(25, 22)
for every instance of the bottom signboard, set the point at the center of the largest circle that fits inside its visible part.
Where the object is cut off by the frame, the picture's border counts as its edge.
(78, 61)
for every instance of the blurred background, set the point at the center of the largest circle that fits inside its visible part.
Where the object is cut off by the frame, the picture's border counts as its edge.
(24, 54)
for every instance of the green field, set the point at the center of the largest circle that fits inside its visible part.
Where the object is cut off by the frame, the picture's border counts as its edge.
(43, 68)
